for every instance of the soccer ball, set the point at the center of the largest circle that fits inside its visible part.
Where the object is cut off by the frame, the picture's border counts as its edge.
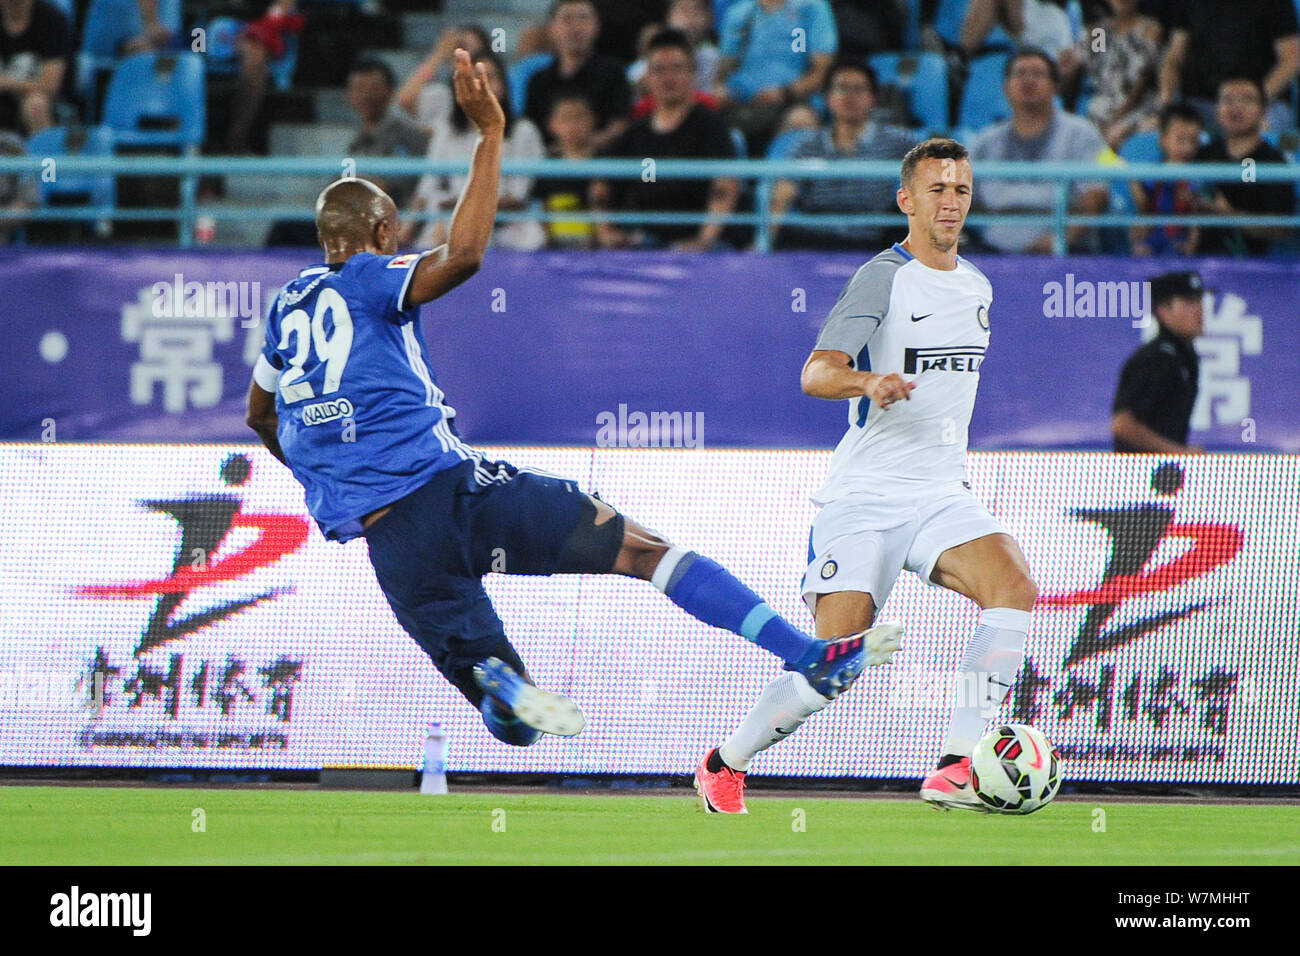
(1015, 769)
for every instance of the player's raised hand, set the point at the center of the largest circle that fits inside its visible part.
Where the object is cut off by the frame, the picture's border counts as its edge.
(474, 94)
(884, 390)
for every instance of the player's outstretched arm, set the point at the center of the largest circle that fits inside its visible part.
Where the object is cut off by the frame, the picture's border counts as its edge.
(471, 223)
(263, 419)
(829, 373)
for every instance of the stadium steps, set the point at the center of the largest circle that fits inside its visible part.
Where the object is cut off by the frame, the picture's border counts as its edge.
(332, 106)
(284, 139)
(274, 190)
(487, 11)
(335, 124)
(420, 31)
(311, 139)
(401, 62)
(242, 234)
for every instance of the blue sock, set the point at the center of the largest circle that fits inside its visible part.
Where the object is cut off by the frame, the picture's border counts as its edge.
(706, 590)
(510, 730)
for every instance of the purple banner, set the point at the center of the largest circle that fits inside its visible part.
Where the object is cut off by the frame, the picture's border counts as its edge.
(578, 348)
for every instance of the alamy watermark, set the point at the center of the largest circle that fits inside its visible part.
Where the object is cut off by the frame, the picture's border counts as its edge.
(929, 689)
(639, 429)
(179, 299)
(75, 908)
(1085, 299)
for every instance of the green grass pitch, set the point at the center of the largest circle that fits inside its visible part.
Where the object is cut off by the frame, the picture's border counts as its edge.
(120, 825)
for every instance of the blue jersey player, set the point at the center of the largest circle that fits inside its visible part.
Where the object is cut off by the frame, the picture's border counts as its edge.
(344, 394)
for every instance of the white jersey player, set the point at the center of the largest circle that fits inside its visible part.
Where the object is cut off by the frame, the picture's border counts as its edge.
(904, 344)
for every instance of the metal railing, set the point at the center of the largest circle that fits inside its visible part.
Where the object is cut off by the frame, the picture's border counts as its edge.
(758, 174)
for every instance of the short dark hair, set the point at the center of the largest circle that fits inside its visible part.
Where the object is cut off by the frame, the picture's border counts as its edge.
(370, 64)
(1252, 80)
(1027, 51)
(479, 32)
(857, 66)
(1179, 111)
(568, 93)
(670, 39)
(936, 147)
(556, 4)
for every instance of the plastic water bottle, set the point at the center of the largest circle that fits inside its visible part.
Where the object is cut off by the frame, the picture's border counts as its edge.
(205, 230)
(434, 777)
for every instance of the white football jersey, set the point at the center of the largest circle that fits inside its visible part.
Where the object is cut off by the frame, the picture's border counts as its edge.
(931, 326)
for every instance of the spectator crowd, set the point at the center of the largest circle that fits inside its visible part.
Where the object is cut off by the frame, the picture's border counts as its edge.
(1033, 81)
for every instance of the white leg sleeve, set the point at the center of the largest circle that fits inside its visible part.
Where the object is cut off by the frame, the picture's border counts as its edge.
(988, 669)
(782, 707)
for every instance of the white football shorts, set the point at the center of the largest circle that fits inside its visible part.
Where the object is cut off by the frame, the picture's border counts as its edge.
(861, 542)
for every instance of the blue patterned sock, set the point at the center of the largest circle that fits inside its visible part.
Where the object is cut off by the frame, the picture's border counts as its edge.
(706, 590)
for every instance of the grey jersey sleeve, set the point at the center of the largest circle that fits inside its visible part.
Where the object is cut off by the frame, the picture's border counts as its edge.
(860, 309)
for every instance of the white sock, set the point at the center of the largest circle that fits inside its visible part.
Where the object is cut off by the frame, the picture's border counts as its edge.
(988, 669)
(782, 707)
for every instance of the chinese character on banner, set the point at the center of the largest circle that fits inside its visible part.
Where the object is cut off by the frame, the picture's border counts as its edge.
(199, 685)
(1082, 695)
(279, 679)
(1164, 698)
(104, 688)
(231, 688)
(176, 352)
(1024, 695)
(149, 682)
(1215, 690)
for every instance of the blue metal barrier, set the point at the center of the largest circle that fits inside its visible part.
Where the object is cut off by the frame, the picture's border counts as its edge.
(758, 173)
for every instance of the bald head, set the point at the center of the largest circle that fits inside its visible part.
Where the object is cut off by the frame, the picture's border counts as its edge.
(348, 213)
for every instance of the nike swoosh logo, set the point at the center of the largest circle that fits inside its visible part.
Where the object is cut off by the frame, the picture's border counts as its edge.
(1038, 758)
(918, 318)
(783, 731)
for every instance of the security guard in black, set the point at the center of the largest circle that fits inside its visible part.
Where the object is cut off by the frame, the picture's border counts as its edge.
(1157, 386)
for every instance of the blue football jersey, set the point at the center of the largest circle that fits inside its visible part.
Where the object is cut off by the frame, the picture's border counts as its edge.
(362, 420)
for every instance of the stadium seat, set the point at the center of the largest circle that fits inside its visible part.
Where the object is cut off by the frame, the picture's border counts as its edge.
(1141, 148)
(221, 53)
(520, 74)
(96, 188)
(172, 15)
(222, 57)
(949, 18)
(911, 24)
(783, 146)
(963, 134)
(157, 99)
(982, 101)
(923, 77)
(109, 23)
